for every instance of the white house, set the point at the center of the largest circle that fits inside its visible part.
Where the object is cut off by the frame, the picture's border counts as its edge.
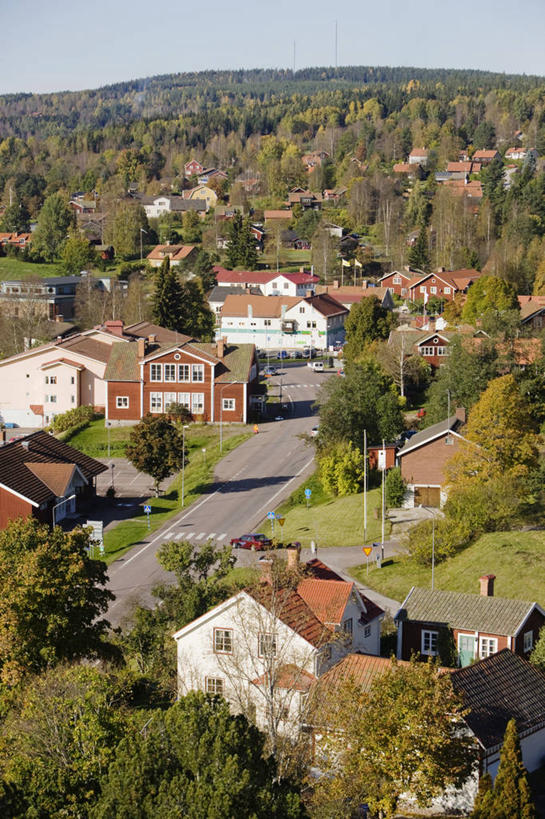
(156, 206)
(263, 648)
(279, 322)
(269, 283)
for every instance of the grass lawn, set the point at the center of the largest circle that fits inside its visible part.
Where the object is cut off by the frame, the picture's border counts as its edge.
(11, 268)
(198, 476)
(93, 440)
(329, 521)
(516, 558)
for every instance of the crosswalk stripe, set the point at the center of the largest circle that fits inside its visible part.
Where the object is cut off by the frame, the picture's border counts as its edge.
(200, 537)
(222, 537)
(212, 535)
(189, 536)
(178, 536)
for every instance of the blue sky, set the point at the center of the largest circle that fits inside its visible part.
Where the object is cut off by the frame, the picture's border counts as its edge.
(53, 45)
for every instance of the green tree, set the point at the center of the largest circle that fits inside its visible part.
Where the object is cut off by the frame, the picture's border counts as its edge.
(155, 447)
(77, 254)
(537, 657)
(167, 297)
(123, 229)
(396, 488)
(203, 267)
(52, 596)
(53, 222)
(196, 319)
(192, 227)
(241, 251)
(342, 469)
(61, 734)
(365, 399)
(367, 321)
(195, 760)
(511, 795)
(419, 254)
(400, 737)
(482, 807)
(484, 136)
(489, 294)
(16, 219)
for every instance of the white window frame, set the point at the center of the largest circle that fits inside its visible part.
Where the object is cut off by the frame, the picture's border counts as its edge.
(197, 370)
(156, 402)
(197, 403)
(228, 404)
(267, 644)
(214, 686)
(170, 372)
(433, 290)
(446, 291)
(528, 641)
(422, 288)
(428, 639)
(155, 372)
(487, 646)
(169, 398)
(52, 399)
(396, 280)
(122, 402)
(184, 398)
(267, 322)
(223, 640)
(185, 370)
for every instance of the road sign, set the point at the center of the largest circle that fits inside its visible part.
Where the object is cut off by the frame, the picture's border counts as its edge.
(271, 515)
(308, 493)
(367, 550)
(280, 520)
(97, 534)
(147, 510)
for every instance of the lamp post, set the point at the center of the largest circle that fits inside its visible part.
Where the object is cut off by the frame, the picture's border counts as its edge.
(60, 503)
(184, 427)
(141, 232)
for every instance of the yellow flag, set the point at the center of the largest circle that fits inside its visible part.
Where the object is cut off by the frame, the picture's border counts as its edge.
(345, 263)
(357, 264)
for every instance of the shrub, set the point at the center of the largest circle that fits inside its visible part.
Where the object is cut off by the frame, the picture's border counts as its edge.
(396, 488)
(451, 536)
(486, 506)
(341, 471)
(72, 417)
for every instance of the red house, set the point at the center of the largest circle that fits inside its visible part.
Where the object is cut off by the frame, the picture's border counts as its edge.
(443, 284)
(214, 381)
(400, 281)
(476, 625)
(193, 168)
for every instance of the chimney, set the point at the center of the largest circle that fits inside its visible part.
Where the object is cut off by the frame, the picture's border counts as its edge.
(220, 347)
(250, 311)
(364, 284)
(141, 347)
(461, 414)
(293, 557)
(266, 565)
(487, 585)
(152, 339)
(25, 445)
(308, 294)
(114, 327)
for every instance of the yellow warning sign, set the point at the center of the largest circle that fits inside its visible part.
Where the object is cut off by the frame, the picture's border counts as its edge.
(367, 550)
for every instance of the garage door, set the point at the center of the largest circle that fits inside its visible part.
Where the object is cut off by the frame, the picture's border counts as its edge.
(427, 496)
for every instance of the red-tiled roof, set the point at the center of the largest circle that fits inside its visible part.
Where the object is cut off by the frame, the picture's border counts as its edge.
(362, 669)
(290, 677)
(175, 252)
(320, 571)
(326, 598)
(278, 214)
(291, 609)
(56, 361)
(243, 276)
(56, 477)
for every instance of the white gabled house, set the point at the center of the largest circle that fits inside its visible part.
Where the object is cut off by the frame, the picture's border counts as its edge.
(264, 647)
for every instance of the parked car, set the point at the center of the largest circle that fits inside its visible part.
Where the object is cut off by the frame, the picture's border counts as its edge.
(283, 354)
(296, 354)
(279, 418)
(317, 366)
(268, 371)
(258, 542)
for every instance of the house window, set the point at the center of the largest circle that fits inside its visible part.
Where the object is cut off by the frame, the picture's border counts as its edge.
(52, 399)
(197, 403)
(367, 631)
(156, 402)
(267, 322)
(72, 379)
(215, 685)
(223, 640)
(433, 290)
(51, 379)
(422, 288)
(170, 398)
(396, 280)
(228, 404)
(170, 372)
(447, 291)
(442, 351)
(122, 402)
(156, 372)
(197, 372)
(348, 626)
(429, 642)
(267, 645)
(72, 399)
(286, 285)
(427, 351)
(183, 372)
(301, 309)
(184, 398)
(487, 646)
(311, 324)
(528, 641)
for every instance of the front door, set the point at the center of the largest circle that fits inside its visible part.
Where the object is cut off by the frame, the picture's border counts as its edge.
(466, 649)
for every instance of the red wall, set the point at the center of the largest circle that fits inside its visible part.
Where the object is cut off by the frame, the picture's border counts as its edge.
(130, 389)
(12, 507)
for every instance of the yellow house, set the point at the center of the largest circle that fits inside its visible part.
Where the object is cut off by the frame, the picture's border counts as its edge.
(203, 192)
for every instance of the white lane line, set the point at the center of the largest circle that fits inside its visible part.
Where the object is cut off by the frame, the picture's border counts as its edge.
(178, 536)
(200, 536)
(267, 505)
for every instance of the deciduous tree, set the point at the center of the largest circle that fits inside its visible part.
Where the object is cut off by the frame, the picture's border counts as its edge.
(54, 220)
(155, 447)
(489, 293)
(367, 321)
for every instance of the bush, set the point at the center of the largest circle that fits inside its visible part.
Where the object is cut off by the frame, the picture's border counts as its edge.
(70, 418)
(451, 537)
(396, 488)
(489, 506)
(342, 471)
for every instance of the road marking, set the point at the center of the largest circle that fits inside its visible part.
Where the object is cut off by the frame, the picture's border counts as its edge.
(222, 537)
(200, 536)
(189, 536)
(178, 536)
(268, 504)
(212, 535)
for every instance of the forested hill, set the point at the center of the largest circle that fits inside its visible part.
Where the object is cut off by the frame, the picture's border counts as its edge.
(179, 95)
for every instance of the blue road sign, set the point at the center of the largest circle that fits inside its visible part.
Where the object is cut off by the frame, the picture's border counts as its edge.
(271, 515)
(147, 509)
(308, 493)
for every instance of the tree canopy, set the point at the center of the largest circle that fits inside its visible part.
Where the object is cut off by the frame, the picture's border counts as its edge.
(366, 322)
(156, 448)
(489, 294)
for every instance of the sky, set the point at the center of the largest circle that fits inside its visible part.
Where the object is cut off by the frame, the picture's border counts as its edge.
(55, 45)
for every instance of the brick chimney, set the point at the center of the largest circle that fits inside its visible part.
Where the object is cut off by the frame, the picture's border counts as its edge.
(461, 414)
(220, 347)
(266, 565)
(114, 327)
(152, 338)
(336, 283)
(141, 347)
(59, 317)
(293, 557)
(487, 585)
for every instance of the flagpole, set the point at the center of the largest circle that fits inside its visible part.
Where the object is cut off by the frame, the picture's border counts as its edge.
(364, 487)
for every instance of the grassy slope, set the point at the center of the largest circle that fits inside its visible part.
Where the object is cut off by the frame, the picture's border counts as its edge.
(15, 269)
(328, 521)
(516, 558)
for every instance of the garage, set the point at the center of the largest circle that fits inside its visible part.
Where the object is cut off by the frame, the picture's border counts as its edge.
(427, 496)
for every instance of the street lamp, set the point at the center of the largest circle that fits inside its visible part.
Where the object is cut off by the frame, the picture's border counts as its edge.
(60, 503)
(141, 232)
(184, 427)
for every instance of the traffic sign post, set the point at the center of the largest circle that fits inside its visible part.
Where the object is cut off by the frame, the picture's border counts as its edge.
(281, 520)
(308, 493)
(97, 535)
(272, 518)
(367, 551)
(147, 510)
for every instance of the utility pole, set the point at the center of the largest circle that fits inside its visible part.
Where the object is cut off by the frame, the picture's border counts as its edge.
(364, 486)
(336, 60)
(294, 56)
(383, 498)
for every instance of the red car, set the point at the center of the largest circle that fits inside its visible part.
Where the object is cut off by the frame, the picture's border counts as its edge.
(257, 542)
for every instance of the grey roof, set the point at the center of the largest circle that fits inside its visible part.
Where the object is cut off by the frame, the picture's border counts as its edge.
(449, 425)
(504, 686)
(219, 293)
(474, 612)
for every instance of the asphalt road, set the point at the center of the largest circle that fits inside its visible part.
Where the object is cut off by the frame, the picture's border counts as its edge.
(249, 482)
